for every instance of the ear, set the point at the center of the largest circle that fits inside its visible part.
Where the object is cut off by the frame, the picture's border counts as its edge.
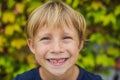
(31, 45)
(81, 45)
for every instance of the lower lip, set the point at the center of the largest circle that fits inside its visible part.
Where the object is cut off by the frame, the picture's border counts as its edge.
(56, 64)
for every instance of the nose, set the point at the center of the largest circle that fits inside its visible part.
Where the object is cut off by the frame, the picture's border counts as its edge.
(56, 47)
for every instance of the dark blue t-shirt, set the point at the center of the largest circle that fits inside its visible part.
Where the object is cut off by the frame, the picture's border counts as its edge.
(34, 75)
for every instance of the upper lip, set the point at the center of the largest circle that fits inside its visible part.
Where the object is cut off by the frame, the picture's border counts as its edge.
(56, 58)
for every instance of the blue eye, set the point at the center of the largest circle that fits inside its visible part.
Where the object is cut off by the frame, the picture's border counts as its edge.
(67, 37)
(45, 38)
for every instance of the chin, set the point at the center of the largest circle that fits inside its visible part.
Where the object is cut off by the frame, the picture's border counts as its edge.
(58, 72)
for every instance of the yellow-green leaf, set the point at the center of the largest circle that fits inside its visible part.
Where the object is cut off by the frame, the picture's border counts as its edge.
(113, 51)
(2, 41)
(75, 3)
(102, 59)
(18, 43)
(20, 7)
(96, 5)
(117, 10)
(8, 17)
(9, 30)
(17, 28)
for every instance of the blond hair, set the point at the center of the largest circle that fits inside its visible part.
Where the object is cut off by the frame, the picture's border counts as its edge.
(54, 14)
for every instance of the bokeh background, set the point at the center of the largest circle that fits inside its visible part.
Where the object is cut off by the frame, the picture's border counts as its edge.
(102, 45)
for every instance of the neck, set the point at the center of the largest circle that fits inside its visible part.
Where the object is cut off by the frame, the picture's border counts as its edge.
(46, 75)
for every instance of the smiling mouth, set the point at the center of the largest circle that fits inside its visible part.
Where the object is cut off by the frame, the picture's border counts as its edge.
(57, 61)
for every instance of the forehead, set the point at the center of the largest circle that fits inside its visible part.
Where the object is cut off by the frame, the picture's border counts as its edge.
(60, 23)
(63, 23)
(63, 29)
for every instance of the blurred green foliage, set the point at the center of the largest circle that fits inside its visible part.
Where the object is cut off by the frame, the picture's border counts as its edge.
(101, 48)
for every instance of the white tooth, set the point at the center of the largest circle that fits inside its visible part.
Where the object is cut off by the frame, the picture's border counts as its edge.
(50, 60)
(62, 60)
(54, 61)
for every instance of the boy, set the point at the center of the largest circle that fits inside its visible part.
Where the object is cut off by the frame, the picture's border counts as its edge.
(55, 35)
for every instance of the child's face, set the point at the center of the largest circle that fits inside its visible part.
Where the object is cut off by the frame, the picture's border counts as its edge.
(56, 49)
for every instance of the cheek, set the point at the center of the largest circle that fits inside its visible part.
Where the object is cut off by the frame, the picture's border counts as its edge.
(40, 51)
(73, 49)
(74, 52)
